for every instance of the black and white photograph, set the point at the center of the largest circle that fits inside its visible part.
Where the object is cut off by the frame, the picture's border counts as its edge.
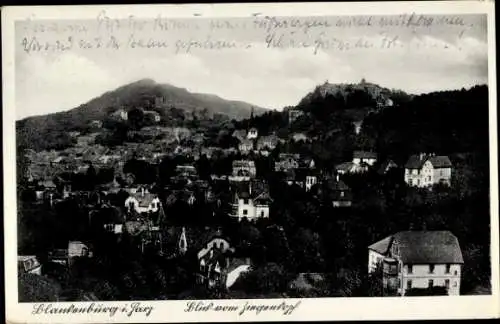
(248, 157)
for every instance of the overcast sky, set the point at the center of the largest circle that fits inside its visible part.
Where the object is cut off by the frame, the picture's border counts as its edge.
(426, 59)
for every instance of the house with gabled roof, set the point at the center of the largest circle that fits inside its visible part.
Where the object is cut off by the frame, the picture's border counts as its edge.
(267, 142)
(245, 146)
(287, 161)
(300, 137)
(424, 170)
(240, 134)
(142, 202)
(417, 259)
(334, 191)
(186, 196)
(360, 157)
(339, 193)
(244, 168)
(28, 264)
(251, 200)
(351, 168)
(253, 133)
(386, 166)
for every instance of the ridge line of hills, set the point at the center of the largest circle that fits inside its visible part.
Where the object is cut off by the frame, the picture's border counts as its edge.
(171, 103)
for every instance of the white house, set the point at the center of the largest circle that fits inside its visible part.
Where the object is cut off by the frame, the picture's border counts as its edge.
(250, 203)
(142, 202)
(244, 168)
(216, 241)
(120, 114)
(350, 167)
(245, 146)
(297, 137)
(267, 143)
(425, 170)
(359, 157)
(357, 126)
(418, 259)
(311, 180)
(28, 264)
(253, 133)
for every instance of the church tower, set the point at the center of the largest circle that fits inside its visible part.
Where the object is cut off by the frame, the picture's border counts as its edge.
(183, 242)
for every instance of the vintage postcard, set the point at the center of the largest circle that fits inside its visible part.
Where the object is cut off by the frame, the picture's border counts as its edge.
(250, 162)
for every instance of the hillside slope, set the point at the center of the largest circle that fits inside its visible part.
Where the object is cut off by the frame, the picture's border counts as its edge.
(146, 93)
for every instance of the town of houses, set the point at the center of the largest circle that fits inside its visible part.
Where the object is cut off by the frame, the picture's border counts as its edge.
(409, 259)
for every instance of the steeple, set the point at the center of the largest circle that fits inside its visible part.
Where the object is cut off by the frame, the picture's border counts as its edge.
(251, 114)
(183, 242)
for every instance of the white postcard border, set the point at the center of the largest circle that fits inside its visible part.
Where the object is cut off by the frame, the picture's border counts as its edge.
(307, 309)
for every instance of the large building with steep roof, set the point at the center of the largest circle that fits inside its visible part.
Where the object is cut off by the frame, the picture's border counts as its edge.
(424, 170)
(418, 259)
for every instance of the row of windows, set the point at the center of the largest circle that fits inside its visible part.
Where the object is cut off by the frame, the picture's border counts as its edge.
(245, 212)
(416, 171)
(409, 283)
(431, 268)
(410, 181)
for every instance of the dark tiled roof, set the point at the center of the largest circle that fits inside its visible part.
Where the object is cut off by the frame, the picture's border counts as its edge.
(386, 165)
(440, 161)
(346, 166)
(145, 200)
(423, 247)
(135, 227)
(382, 246)
(364, 155)
(337, 185)
(246, 141)
(337, 195)
(416, 161)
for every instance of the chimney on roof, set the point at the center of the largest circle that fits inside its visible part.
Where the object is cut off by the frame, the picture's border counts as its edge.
(142, 191)
(337, 177)
(422, 156)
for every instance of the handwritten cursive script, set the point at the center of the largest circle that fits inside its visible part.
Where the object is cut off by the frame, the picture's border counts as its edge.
(188, 35)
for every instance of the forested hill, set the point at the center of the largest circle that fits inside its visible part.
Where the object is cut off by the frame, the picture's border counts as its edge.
(442, 122)
(359, 95)
(33, 132)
